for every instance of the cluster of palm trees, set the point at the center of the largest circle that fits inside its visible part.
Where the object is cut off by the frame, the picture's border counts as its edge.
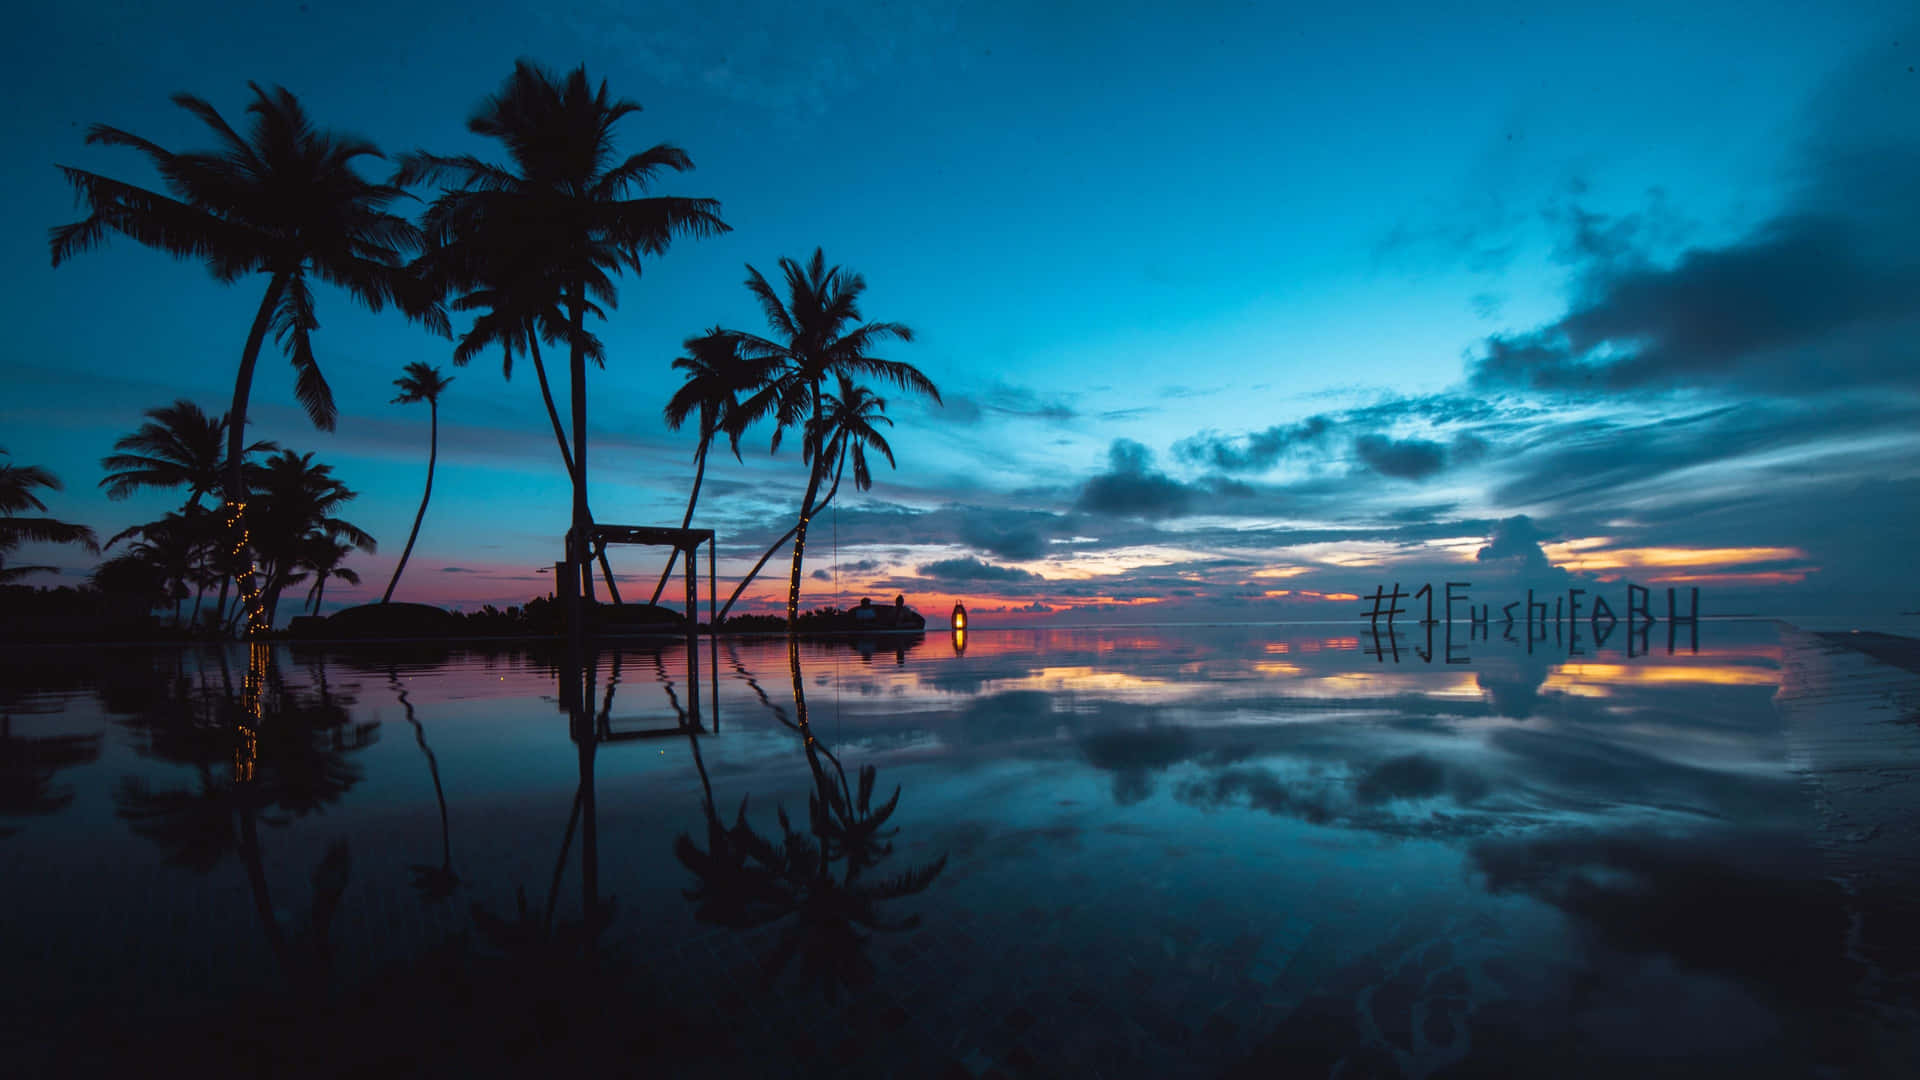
(529, 247)
(294, 531)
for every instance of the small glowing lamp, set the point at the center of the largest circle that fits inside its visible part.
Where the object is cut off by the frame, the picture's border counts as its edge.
(959, 616)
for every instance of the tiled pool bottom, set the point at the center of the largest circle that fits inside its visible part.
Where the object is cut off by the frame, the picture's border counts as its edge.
(1163, 860)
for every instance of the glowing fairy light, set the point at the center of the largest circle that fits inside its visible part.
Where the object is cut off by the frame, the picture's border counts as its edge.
(248, 578)
(252, 710)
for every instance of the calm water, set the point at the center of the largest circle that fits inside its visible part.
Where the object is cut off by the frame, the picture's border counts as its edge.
(1260, 851)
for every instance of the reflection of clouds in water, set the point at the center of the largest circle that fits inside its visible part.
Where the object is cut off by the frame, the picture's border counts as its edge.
(1750, 904)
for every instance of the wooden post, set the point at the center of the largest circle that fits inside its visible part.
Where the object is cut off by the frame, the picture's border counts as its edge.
(713, 631)
(693, 634)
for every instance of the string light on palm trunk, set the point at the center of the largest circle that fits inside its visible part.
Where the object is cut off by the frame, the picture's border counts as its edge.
(248, 578)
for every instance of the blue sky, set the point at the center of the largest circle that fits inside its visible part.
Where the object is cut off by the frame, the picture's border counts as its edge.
(1227, 300)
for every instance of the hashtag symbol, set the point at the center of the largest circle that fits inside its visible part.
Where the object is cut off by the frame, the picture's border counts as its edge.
(1385, 603)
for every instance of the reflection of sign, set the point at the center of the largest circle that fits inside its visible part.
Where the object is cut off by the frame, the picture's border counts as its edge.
(1565, 633)
(1565, 619)
(1387, 603)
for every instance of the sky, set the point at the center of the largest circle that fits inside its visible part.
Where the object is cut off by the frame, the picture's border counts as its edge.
(1238, 311)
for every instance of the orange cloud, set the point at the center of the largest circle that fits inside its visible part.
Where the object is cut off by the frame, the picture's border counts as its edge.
(1583, 555)
(1758, 577)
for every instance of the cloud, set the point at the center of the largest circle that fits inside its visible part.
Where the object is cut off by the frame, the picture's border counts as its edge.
(1417, 776)
(971, 569)
(786, 60)
(456, 570)
(1019, 535)
(1825, 292)
(1257, 452)
(1516, 539)
(1405, 459)
(1132, 487)
(1262, 450)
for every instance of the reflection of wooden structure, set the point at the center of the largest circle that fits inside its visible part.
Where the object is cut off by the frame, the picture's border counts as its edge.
(687, 542)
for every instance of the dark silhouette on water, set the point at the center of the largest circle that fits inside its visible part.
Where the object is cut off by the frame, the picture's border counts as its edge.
(262, 752)
(284, 200)
(811, 881)
(431, 882)
(28, 765)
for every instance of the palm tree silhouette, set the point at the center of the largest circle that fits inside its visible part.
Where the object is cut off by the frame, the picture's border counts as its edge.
(422, 382)
(175, 546)
(820, 336)
(845, 428)
(283, 200)
(560, 213)
(322, 559)
(179, 446)
(716, 377)
(298, 499)
(519, 304)
(17, 484)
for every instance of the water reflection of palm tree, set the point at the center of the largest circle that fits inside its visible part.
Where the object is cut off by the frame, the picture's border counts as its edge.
(541, 952)
(432, 882)
(268, 753)
(745, 881)
(28, 765)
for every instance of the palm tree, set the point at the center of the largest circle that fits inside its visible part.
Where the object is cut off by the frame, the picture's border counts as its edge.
(716, 377)
(519, 305)
(173, 546)
(298, 500)
(560, 213)
(820, 335)
(17, 484)
(283, 200)
(178, 446)
(422, 382)
(323, 559)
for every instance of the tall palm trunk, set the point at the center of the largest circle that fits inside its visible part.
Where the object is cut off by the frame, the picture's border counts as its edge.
(578, 545)
(566, 456)
(699, 475)
(237, 437)
(433, 454)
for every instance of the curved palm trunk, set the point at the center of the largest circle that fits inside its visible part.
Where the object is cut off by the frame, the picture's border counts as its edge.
(236, 494)
(699, 475)
(566, 456)
(433, 454)
(784, 537)
(433, 767)
(808, 508)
